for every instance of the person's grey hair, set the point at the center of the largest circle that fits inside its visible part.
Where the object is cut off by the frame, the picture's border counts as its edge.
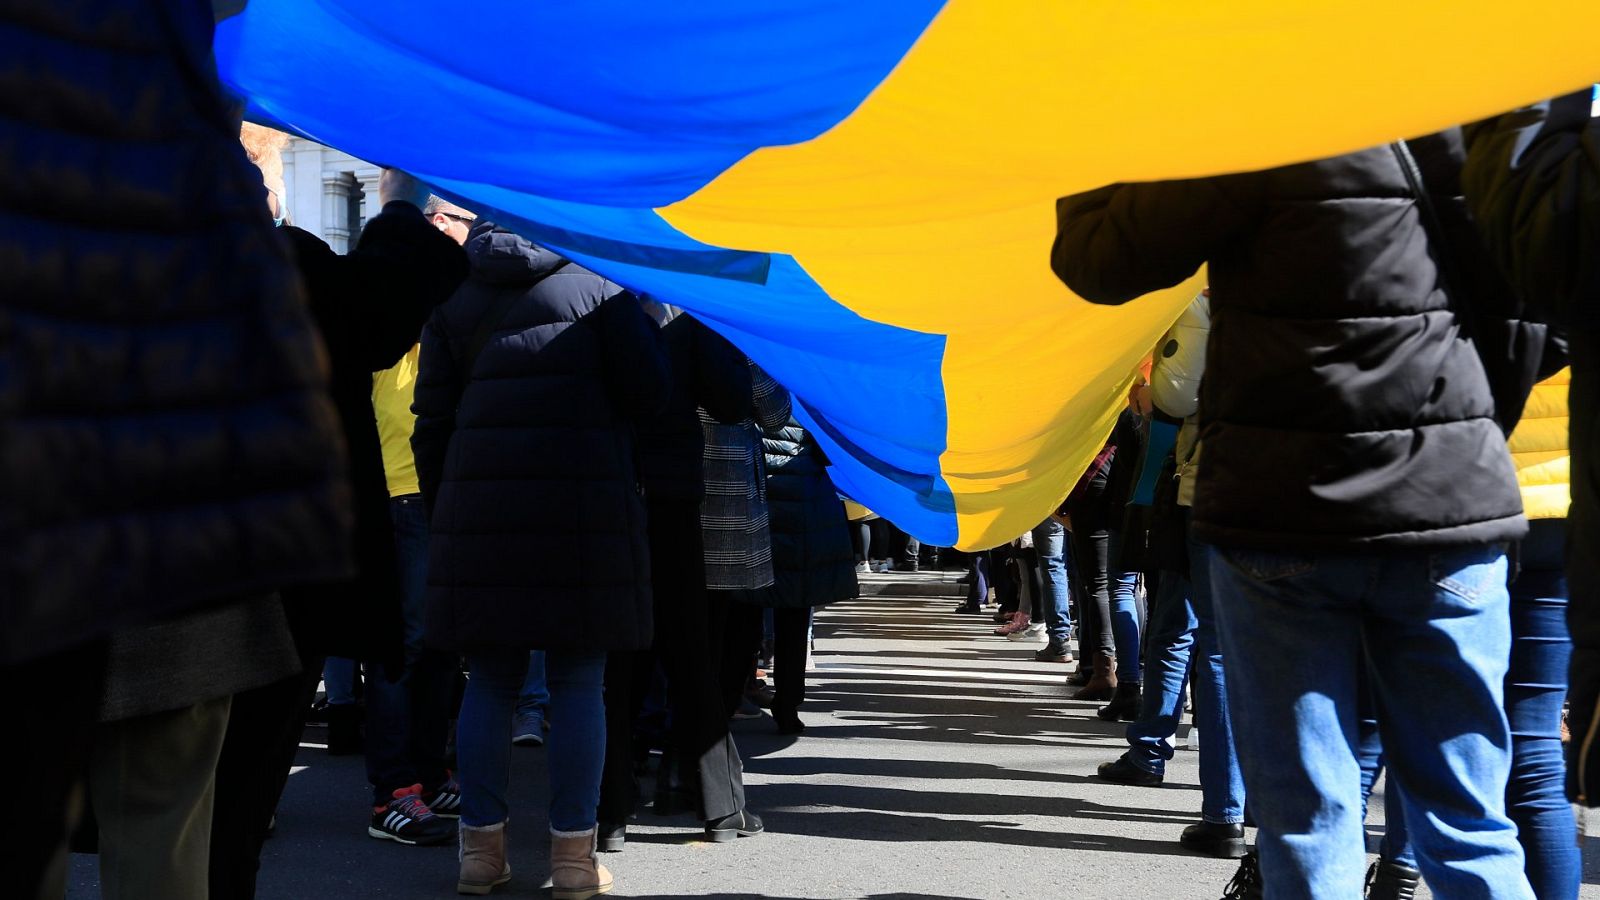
(438, 204)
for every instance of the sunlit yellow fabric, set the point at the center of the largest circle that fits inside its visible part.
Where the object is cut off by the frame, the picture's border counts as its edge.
(392, 391)
(1539, 449)
(930, 207)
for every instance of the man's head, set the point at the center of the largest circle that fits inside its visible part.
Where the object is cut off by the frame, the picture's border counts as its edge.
(449, 218)
(265, 146)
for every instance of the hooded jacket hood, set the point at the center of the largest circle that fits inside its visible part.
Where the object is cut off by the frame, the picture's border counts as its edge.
(498, 256)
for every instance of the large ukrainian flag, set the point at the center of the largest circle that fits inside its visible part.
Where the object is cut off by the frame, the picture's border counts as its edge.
(860, 192)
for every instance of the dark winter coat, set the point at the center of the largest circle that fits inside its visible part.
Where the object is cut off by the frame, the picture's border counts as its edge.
(166, 438)
(707, 373)
(812, 559)
(1342, 409)
(370, 306)
(734, 519)
(527, 459)
(1533, 179)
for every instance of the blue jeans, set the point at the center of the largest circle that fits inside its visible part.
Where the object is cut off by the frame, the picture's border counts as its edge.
(534, 697)
(1125, 625)
(408, 712)
(576, 746)
(1222, 787)
(1170, 632)
(1535, 689)
(339, 680)
(1433, 631)
(1050, 545)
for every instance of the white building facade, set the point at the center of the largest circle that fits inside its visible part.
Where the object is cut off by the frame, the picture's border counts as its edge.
(331, 194)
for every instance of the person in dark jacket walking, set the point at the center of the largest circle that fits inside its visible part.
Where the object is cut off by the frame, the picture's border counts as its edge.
(170, 447)
(1533, 179)
(1356, 492)
(812, 561)
(532, 379)
(700, 759)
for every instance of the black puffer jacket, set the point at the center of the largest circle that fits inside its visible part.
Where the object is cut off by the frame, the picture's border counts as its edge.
(707, 373)
(812, 558)
(1341, 409)
(527, 461)
(166, 437)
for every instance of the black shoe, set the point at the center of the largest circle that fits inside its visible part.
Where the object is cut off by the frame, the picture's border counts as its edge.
(1391, 881)
(445, 801)
(743, 823)
(1124, 705)
(1223, 841)
(1246, 883)
(610, 837)
(407, 820)
(969, 608)
(1054, 651)
(788, 722)
(1123, 771)
(344, 730)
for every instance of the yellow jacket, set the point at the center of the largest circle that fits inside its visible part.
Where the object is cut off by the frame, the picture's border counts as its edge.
(1539, 449)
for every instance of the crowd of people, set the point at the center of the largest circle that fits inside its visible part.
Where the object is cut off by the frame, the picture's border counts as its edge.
(484, 497)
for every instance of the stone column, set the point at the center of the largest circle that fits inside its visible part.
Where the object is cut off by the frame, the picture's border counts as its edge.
(368, 179)
(336, 225)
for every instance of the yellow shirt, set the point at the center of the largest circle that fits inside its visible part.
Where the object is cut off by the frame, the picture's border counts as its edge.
(391, 403)
(1539, 449)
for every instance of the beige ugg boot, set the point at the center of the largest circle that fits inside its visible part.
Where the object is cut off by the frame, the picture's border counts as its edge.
(575, 873)
(483, 859)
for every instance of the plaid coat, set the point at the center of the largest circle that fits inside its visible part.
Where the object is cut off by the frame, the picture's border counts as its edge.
(734, 516)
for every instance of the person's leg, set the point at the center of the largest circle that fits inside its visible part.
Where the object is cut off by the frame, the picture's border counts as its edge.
(265, 725)
(617, 793)
(577, 738)
(339, 680)
(49, 752)
(1438, 637)
(860, 540)
(1172, 625)
(483, 734)
(1093, 549)
(151, 785)
(1050, 543)
(1125, 620)
(792, 626)
(532, 701)
(1535, 691)
(741, 639)
(1222, 788)
(1291, 628)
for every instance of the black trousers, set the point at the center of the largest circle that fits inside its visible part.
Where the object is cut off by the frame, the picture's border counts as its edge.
(55, 702)
(690, 622)
(790, 642)
(263, 736)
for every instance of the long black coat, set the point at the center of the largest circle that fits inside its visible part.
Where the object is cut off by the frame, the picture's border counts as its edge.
(707, 373)
(1341, 408)
(370, 306)
(812, 558)
(166, 438)
(527, 461)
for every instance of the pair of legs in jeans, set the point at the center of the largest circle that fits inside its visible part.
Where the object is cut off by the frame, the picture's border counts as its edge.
(408, 717)
(1535, 689)
(1433, 631)
(1111, 599)
(1050, 546)
(576, 745)
(1183, 635)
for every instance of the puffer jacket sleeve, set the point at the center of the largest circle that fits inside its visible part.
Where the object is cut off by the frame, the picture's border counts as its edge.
(1120, 242)
(772, 401)
(722, 378)
(1180, 361)
(438, 391)
(382, 292)
(1532, 178)
(637, 373)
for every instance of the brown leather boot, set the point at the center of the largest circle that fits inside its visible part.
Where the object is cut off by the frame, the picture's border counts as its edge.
(575, 873)
(1103, 686)
(483, 859)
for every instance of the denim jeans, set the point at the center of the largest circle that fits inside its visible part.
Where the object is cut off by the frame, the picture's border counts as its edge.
(1125, 625)
(1433, 631)
(339, 680)
(1222, 786)
(534, 697)
(1535, 689)
(408, 713)
(1170, 633)
(1050, 545)
(575, 748)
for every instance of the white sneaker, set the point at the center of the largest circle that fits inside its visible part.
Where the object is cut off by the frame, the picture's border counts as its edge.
(863, 569)
(1032, 632)
(883, 566)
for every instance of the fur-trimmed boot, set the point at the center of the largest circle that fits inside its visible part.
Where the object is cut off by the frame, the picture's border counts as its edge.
(483, 859)
(575, 872)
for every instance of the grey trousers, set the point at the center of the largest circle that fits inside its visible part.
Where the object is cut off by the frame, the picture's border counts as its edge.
(151, 780)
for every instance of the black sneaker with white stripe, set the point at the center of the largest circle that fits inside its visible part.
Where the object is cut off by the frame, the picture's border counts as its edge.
(445, 802)
(408, 820)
